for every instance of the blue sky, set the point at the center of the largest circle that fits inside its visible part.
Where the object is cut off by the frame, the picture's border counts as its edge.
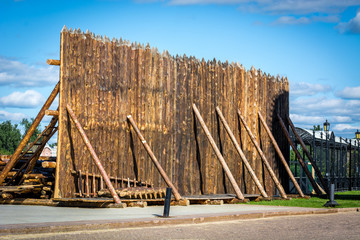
(314, 43)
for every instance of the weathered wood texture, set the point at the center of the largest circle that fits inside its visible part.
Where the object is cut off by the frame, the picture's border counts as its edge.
(104, 81)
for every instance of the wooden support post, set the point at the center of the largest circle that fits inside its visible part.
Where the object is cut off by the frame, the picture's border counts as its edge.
(87, 184)
(80, 184)
(262, 155)
(303, 165)
(93, 154)
(52, 112)
(240, 152)
(153, 158)
(281, 156)
(218, 154)
(94, 185)
(317, 171)
(15, 157)
(53, 62)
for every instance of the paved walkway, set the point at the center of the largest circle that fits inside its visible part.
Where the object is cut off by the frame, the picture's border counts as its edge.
(16, 219)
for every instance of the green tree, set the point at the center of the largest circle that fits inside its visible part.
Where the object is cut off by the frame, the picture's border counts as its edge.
(10, 137)
(27, 124)
(316, 128)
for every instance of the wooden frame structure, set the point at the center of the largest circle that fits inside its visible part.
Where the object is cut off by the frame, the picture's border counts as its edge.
(106, 82)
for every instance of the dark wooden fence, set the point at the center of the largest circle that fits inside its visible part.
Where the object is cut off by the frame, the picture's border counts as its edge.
(104, 81)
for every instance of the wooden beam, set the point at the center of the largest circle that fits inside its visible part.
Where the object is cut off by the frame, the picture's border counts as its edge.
(153, 158)
(52, 112)
(240, 152)
(303, 165)
(317, 171)
(25, 140)
(263, 157)
(281, 156)
(218, 154)
(93, 155)
(53, 62)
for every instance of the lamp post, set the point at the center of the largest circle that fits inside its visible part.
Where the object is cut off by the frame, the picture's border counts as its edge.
(357, 135)
(326, 129)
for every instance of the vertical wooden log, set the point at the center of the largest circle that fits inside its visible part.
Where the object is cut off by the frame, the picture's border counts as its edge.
(94, 191)
(80, 183)
(218, 154)
(87, 184)
(272, 174)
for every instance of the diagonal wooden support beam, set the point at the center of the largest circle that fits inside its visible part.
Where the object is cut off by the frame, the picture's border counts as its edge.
(303, 165)
(317, 171)
(263, 157)
(218, 154)
(281, 156)
(93, 155)
(15, 157)
(153, 158)
(240, 152)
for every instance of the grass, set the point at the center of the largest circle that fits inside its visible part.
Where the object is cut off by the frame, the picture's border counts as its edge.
(345, 199)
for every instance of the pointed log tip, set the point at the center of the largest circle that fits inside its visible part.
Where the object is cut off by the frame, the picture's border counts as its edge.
(64, 29)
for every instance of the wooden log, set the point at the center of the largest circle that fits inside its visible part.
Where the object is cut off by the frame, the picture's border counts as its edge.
(218, 154)
(153, 158)
(262, 155)
(6, 195)
(93, 155)
(313, 164)
(240, 152)
(52, 112)
(29, 133)
(303, 165)
(53, 62)
(87, 184)
(48, 164)
(34, 175)
(281, 156)
(80, 184)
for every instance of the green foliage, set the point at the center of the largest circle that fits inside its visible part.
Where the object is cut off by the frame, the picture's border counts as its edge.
(27, 124)
(10, 137)
(316, 128)
(345, 199)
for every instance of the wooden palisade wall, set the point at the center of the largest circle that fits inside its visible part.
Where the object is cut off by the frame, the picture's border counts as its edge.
(104, 81)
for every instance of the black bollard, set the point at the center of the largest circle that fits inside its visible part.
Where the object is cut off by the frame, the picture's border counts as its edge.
(331, 202)
(167, 202)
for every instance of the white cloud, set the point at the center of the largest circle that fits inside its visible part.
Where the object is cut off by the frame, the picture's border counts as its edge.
(16, 74)
(303, 119)
(353, 26)
(344, 127)
(290, 20)
(11, 116)
(307, 89)
(341, 119)
(27, 99)
(350, 93)
(281, 6)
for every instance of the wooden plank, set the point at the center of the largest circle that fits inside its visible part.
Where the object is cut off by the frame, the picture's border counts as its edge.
(272, 174)
(218, 154)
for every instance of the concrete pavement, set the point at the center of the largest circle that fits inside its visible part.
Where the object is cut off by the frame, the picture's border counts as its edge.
(19, 219)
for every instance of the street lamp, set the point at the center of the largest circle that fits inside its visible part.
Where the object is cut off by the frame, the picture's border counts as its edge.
(326, 126)
(357, 135)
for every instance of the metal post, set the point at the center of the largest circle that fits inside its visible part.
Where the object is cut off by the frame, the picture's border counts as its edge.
(350, 163)
(327, 160)
(167, 202)
(331, 202)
